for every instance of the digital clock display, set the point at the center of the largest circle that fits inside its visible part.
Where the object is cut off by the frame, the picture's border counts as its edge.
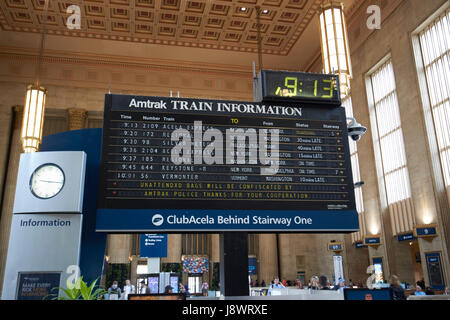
(307, 87)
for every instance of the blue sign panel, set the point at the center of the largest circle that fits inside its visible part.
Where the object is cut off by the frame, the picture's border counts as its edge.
(202, 220)
(335, 247)
(426, 231)
(166, 160)
(36, 285)
(252, 266)
(359, 244)
(435, 272)
(406, 237)
(372, 240)
(153, 246)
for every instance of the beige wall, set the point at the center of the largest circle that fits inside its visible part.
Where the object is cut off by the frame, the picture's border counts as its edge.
(394, 38)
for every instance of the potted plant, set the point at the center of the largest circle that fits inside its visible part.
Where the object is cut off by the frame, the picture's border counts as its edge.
(79, 291)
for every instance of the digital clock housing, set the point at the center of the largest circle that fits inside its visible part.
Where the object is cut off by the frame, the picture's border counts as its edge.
(297, 86)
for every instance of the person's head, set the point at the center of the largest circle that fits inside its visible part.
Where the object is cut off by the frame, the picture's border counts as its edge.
(168, 289)
(447, 290)
(323, 281)
(395, 281)
(418, 288)
(315, 281)
(115, 284)
(276, 281)
(341, 282)
(127, 282)
(143, 283)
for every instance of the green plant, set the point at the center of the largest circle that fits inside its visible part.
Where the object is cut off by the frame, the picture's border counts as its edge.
(216, 276)
(117, 272)
(79, 291)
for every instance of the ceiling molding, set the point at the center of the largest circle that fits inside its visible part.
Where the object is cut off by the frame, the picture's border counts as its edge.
(56, 56)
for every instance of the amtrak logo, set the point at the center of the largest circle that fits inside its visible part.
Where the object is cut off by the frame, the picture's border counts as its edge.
(157, 220)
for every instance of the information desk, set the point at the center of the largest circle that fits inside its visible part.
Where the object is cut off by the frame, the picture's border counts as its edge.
(276, 167)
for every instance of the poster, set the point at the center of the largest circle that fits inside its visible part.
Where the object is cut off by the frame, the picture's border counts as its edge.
(153, 284)
(36, 285)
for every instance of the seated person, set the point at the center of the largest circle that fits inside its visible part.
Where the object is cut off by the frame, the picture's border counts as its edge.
(419, 291)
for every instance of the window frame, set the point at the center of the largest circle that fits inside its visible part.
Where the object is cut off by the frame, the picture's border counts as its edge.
(425, 97)
(376, 138)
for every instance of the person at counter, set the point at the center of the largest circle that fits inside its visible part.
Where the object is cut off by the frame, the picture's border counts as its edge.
(144, 288)
(429, 291)
(398, 293)
(299, 284)
(128, 289)
(114, 291)
(275, 285)
(314, 283)
(323, 282)
(419, 291)
(340, 285)
(205, 288)
(168, 289)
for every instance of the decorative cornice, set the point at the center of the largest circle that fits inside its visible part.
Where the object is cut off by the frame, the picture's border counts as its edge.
(55, 56)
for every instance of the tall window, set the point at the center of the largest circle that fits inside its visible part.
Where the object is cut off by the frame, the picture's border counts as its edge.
(434, 45)
(389, 137)
(194, 244)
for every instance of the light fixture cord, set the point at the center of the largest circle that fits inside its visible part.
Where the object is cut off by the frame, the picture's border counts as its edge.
(41, 48)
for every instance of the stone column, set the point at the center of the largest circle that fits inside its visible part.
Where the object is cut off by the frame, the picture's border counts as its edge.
(119, 248)
(76, 118)
(267, 257)
(10, 188)
(287, 258)
(173, 249)
(133, 270)
(215, 248)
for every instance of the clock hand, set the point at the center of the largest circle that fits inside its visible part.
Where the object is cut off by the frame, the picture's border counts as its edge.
(50, 181)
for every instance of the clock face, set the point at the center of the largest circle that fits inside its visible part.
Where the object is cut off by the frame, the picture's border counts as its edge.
(300, 86)
(47, 181)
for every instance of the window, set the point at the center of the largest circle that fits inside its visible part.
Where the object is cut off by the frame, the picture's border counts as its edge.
(195, 284)
(195, 244)
(432, 44)
(388, 136)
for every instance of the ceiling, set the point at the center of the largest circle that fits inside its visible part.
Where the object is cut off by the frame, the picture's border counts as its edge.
(227, 25)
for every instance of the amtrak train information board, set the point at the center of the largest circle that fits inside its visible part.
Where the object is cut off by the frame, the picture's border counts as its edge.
(174, 164)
